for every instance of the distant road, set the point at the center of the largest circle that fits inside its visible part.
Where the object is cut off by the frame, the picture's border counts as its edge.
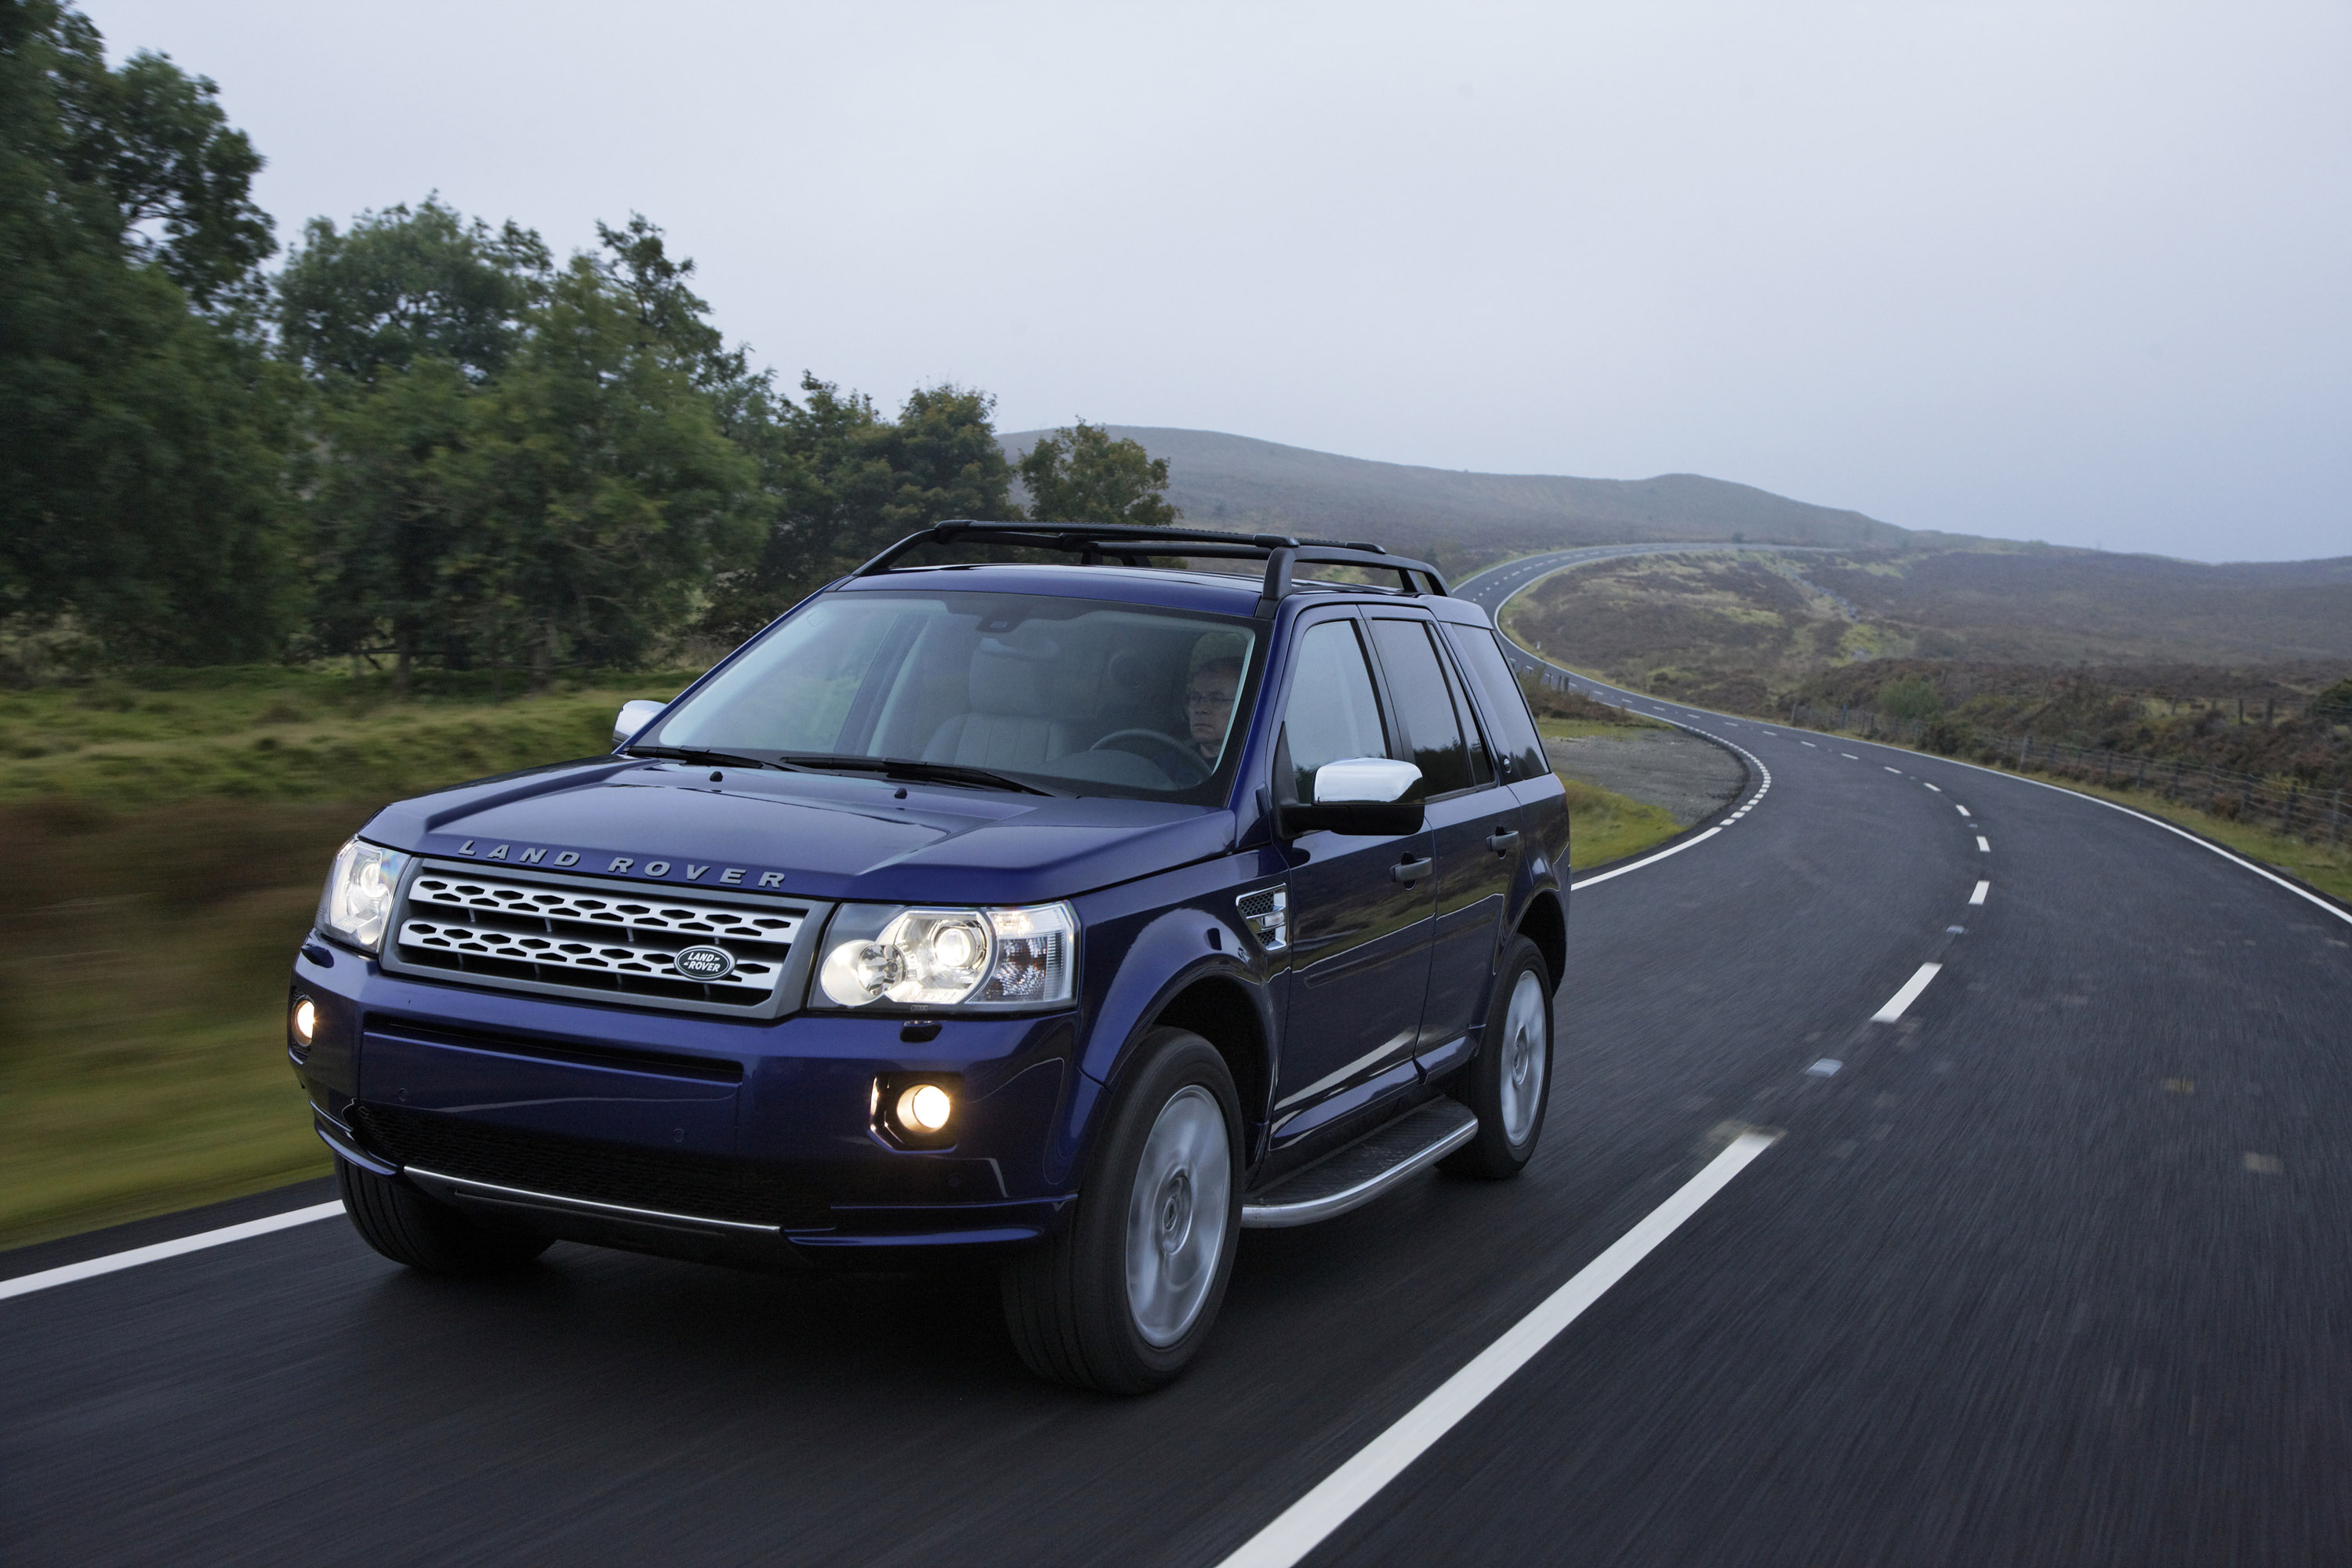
(2049, 1265)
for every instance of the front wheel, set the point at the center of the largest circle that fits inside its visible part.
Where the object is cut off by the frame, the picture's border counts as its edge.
(408, 1227)
(1508, 1084)
(1122, 1299)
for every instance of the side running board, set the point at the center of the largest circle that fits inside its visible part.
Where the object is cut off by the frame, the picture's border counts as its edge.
(1364, 1169)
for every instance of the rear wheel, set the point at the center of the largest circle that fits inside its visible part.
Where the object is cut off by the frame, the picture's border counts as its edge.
(1508, 1084)
(409, 1227)
(1122, 1299)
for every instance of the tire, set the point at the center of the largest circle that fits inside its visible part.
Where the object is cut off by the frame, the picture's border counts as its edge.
(409, 1227)
(1508, 1083)
(1123, 1297)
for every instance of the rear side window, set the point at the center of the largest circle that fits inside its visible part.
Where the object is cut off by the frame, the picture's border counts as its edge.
(1433, 730)
(1333, 714)
(1515, 740)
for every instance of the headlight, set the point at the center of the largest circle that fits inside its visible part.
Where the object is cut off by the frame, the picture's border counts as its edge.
(357, 904)
(948, 958)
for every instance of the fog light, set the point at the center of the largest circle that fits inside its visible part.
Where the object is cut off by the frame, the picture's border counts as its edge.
(306, 1020)
(925, 1107)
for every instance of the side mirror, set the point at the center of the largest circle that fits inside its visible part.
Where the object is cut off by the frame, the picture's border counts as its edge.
(1357, 796)
(634, 716)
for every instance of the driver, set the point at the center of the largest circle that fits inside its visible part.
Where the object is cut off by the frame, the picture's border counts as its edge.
(1208, 704)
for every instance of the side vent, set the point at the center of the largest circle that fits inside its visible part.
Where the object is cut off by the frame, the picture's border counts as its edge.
(1267, 912)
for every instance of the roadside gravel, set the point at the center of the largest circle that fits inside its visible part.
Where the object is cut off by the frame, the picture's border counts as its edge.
(1690, 778)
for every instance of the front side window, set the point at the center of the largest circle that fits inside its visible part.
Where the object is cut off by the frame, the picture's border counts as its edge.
(1332, 714)
(1079, 696)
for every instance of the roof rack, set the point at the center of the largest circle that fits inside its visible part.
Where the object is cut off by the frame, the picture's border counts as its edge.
(1097, 544)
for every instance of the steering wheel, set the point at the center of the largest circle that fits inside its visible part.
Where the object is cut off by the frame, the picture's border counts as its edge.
(1184, 753)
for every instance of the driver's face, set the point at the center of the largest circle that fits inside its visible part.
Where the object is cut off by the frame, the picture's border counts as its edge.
(1208, 704)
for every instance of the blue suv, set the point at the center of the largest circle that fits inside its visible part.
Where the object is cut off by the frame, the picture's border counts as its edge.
(1071, 913)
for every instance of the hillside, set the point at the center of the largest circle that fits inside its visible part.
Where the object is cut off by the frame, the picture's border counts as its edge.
(1232, 481)
(1888, 591)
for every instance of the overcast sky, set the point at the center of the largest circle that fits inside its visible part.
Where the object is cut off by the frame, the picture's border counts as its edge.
(2072, 272)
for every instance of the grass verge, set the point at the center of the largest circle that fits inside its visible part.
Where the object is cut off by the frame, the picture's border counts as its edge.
(2327, 867)
(1605, 826)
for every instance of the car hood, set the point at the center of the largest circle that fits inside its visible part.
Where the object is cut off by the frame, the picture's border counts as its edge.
(818, 836)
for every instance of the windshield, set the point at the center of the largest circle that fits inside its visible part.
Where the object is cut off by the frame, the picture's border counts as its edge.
(1073, 694)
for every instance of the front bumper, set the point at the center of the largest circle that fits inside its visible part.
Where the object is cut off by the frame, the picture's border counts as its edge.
(733, 1140)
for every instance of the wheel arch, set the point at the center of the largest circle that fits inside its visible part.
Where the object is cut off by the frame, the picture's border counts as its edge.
(1545, 923)
(1219, 1009)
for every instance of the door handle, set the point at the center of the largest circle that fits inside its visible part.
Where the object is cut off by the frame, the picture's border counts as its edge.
(1501, 839)
(1410, 871)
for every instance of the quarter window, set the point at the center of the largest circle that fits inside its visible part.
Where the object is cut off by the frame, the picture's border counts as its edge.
(1515, 740)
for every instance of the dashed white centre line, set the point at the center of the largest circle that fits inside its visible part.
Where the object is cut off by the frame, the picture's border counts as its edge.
(1978, 896)
(1307, 1523)
(1938, 789)
(1908, 995)
(1981, 845)
(1961, 809)
(1890, 770)
(1808, 743)
(1848, 756)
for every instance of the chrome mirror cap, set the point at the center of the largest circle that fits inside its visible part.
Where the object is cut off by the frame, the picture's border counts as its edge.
(1363, 781)
(634, 716)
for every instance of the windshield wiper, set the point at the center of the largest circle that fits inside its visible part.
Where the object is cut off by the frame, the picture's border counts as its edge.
(706, 758)
(908, 768)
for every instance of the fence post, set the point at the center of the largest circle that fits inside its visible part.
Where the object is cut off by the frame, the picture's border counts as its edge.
(2139, 777)
(2286, 816)
(2212, 781)
(2173, 789)
(2335, 815)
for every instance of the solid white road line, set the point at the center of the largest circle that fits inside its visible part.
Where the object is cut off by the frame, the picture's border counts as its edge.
(1305, 1524)
(26, 1284)
(1978, 896)
(1983, 846)
(1647, 860)
(1908, 995)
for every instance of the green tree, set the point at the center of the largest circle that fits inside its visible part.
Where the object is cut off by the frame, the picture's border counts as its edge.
(841, 481)
(407, 284)
(394, 508)
(615, 495)
(141, 485)
(399, 321)
(1078, 474)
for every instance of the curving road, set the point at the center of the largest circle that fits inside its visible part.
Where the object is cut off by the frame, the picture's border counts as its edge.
(2050, 1263)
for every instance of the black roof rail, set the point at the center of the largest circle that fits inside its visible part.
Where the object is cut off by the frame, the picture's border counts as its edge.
(1095, 544)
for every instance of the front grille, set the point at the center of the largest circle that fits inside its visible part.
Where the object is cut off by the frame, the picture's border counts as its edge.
(624, 940)
(670, 1182)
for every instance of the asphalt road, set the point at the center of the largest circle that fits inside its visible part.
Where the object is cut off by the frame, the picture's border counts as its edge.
(2053, 1269)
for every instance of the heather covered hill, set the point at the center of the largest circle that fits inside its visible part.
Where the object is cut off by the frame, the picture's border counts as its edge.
(1232, 481)
(2034, 603)
(1744, 631)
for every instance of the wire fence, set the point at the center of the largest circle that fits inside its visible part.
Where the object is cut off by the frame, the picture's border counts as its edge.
(2314, 812)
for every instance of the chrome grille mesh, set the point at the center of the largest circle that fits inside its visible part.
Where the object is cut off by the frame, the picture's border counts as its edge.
(598, 938)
